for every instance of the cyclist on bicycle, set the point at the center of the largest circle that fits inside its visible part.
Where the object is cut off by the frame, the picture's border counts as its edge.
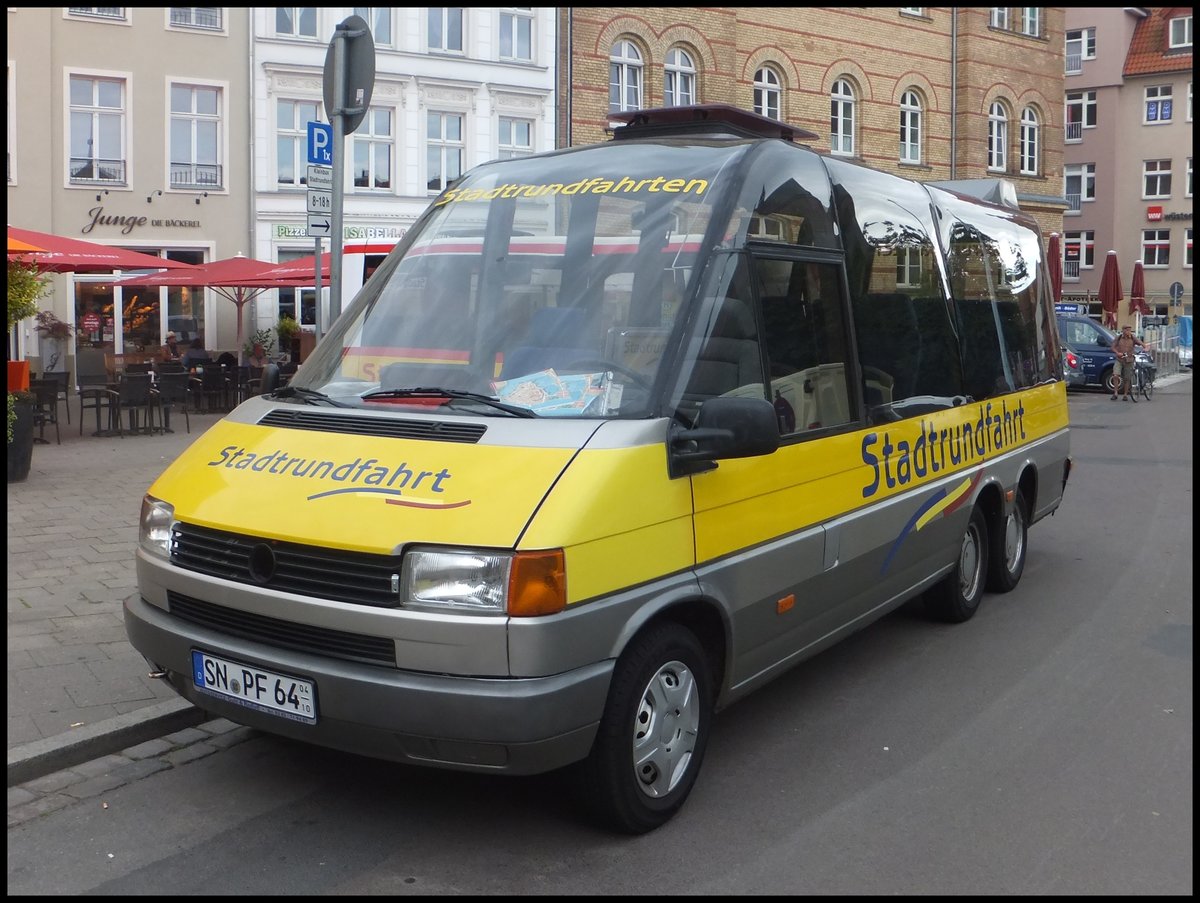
(1124, 347)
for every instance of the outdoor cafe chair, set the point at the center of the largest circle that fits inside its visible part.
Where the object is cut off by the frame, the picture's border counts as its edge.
(63, 378)
(95, 395)
(171, 390)
(45, 408)
(134, 396)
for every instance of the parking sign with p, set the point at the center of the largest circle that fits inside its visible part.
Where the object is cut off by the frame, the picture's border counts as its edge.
(320, 143)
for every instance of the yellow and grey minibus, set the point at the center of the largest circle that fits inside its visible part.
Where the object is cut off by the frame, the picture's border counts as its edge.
(613, 436)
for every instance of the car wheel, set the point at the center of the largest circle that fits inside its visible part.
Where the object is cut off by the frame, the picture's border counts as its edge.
(1006, 558)
(1109, 380)
(653, 733)
(956, 598)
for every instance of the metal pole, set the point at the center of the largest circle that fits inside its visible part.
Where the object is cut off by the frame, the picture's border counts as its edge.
(317, 282)
(338, 118)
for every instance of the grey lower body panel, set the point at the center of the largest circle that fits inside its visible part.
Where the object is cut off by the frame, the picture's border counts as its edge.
(515, 726)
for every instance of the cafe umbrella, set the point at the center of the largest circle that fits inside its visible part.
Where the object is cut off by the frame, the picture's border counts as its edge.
(1137, 291)
(222, 276)
(57, 254)
(1110, 290)
(16, 246)
(1055, 265)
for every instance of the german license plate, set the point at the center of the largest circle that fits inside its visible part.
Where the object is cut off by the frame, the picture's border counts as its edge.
(255, 688)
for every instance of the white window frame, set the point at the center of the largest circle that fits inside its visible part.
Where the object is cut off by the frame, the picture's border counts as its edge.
(1031, 142)
(514, 137)
(1187, 179)
(448, 149)
(625, 70)
(997, 138)
(382, 22)
(1084, 42)
(910, 127)
(768, 93)
(449, 19)
(367, 135)
(1156, 248)
(1158, 106)
(1187, 248)
(679, 79)
(94, 110)
(195, 119)
(913, 10)
(196, 17)
(908, 267)
(1086, 240)
(842, 109)
(998, 17)
(517, 26)
(1088, 114)
(1157, 172)
(1179, 30)
(1086, 173)
(1031, 21)
(297, 13)
(113, 14)
(297, 134)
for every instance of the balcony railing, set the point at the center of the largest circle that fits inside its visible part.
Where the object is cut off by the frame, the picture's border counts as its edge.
(1074, 131)
(196, 175)
(92, 171)
(1070, 269)
(1074, 63)
(1073, 203)
(197, 16)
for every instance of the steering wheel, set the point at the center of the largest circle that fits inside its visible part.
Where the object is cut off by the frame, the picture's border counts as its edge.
(599, 363)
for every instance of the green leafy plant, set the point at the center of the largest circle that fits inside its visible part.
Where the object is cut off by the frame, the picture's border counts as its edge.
(25, 286)
(286, 329)
(259, 337)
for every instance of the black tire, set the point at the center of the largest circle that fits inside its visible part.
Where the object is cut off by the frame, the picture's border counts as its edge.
(653, 733)
(1110, 380)
(956, 598)
(1147, 386)
(1006, 557)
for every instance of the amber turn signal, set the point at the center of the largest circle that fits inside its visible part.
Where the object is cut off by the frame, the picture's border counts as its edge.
(537, 584)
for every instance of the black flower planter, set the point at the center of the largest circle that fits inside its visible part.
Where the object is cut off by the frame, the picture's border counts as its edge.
(20, 450)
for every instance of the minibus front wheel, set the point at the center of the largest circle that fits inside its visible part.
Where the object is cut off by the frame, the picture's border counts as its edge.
(1009, 545)
(654, 730)
(956, 598)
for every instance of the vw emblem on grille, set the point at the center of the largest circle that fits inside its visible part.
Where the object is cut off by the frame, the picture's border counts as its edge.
(262, 563)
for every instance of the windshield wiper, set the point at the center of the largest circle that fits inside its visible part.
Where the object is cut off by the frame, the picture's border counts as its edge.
(434, 392)
(308, 396)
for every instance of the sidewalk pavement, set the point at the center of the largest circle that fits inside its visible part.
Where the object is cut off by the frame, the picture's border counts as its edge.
(77, 691)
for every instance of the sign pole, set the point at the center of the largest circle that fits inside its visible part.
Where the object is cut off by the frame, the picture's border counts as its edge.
(338, 119)
(317, 283)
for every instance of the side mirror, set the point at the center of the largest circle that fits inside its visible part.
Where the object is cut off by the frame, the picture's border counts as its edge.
(270, 379)
(725, 428)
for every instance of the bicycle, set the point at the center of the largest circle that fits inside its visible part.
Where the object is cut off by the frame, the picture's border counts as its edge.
(1143, 379)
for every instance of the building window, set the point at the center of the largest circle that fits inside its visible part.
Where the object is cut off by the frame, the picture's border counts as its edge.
(97, 130)
(1181, 33)
(1079, 252)
(999, 17)
(1081, 113)
(207, 17)
(1156, 247)
(291, 140)
(515, 138)
(1031, 21)
(910, 127)
(1030, 142)
(624, 78)
(1187, 247)
(296, 21)
(373, 151)
(380, 21)
(1081, 45)
(114, 12)
(516, 33)
(445, 31)
(679, 79)
(1079, 184)
(997, 150)
(443, 149)
(1187, 179)
(1156, 179)
(1158, 103)
(913, 10)
(196, 137)
(291, 298)
(841, 118)
(908, 268)
(767, 94)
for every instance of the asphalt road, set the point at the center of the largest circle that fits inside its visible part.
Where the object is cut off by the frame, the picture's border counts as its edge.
(1044, 747)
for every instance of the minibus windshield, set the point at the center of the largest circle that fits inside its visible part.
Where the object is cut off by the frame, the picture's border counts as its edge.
(550, 284)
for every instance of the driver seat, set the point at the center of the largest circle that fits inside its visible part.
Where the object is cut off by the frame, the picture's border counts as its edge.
(552, 341)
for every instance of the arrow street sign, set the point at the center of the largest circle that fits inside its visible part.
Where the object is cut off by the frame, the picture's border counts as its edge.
(318, 226)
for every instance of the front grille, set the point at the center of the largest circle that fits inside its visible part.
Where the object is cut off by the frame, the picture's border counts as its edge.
(386, 427)
(356, 577)
(353, 647)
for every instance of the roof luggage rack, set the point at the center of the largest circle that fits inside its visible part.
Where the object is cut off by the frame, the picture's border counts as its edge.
(710, 120)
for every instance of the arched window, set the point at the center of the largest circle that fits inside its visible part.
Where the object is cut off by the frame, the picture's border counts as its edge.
(767, 94)
(910, 127)
(1030, 141)
(679, 79)
(997, 153)
(624, 78)
(841, 118)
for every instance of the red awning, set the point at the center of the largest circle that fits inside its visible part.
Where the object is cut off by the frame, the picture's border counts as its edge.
(71, 255)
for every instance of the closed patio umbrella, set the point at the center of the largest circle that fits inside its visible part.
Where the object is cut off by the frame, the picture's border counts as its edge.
(1110, 290)
(70, 255)
(1137, 291)
(1055, 265)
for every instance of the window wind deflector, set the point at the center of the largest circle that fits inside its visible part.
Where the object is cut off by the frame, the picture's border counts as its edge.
(455, 394)
(308, 396)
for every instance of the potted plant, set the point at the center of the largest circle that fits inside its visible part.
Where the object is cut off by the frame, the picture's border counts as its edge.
(25, 286)
(259, 337)
(287, 329)
(54, 334)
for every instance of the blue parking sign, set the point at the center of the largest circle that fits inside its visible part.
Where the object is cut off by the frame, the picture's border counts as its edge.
(320, 143)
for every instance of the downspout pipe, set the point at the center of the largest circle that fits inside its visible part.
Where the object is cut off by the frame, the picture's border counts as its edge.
(954, 92)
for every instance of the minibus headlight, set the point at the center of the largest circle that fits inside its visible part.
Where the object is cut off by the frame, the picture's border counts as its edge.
(154, 526)
(521, 584)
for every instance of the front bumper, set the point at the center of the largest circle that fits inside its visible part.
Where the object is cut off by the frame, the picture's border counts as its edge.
(515, 726)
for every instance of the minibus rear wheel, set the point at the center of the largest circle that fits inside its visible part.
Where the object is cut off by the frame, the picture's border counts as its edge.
(654, 731)
(956, 598)
(1009, 543)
